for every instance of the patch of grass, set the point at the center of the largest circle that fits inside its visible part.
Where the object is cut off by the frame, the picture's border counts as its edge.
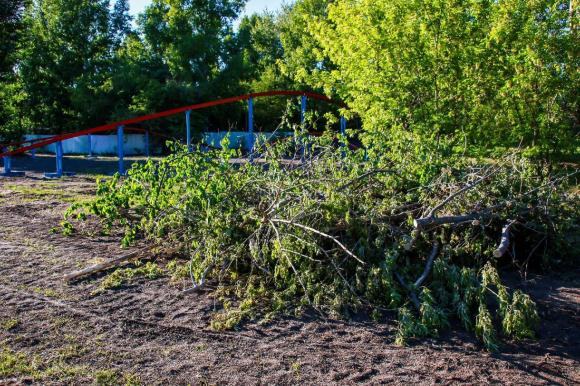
(15, 364)
(9, 324)
(47, 190)
(177, 270)
(61, 321)
(114, 378)
(70, 351)
(63, 372)
(107, 377)
(295, 368)
(48, 292)
(121, 276)
(18, 364)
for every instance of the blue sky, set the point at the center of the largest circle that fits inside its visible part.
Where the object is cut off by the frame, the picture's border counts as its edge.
(137, 6)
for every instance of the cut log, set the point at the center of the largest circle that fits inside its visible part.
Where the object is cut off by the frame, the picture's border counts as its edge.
(102, 266)
(505, 240)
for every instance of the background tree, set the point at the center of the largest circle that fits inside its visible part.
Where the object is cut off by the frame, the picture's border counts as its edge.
(120, 21)
(11, 12)
(64, 63)
(481, 72)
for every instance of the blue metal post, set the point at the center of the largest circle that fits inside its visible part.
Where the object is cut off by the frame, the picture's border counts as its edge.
(33, 153)
(147, 143)
(120, 149)
(188, 128)
(59, 162)
(90, 138)
(250, 140)
(8, 172)
(7, 164)
(59, 154)
(343, 126)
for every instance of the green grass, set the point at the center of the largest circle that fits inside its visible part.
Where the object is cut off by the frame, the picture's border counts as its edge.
(124, 275)
(18, 364)
(114, 378)
(47, 190)
(48, 292)
(15, 364)
(9, 324)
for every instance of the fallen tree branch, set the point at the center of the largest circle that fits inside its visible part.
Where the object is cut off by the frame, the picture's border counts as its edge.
(316, 231)
(460, 191)
(428, 222)
(505, 240)
(103, 266)
(429, 265)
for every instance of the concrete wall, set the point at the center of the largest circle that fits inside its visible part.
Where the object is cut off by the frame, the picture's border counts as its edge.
(238, 139)
(134, 144)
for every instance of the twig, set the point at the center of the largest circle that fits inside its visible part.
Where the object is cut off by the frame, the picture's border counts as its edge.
(307, 228)
(505, 240)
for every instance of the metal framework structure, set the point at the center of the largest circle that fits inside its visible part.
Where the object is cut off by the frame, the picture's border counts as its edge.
(119, 126)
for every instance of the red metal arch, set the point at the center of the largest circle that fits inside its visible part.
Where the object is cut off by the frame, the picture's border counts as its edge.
(166, 113)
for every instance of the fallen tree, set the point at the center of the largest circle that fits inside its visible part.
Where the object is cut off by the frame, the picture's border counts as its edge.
(340, 233)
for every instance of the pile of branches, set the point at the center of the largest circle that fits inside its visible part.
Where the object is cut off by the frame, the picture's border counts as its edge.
(343, 232)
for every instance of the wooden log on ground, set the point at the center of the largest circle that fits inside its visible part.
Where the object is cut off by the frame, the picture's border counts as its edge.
(102, 266)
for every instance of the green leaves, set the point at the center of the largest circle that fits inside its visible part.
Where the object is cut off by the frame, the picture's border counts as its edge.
(521, 317)
(467, 70)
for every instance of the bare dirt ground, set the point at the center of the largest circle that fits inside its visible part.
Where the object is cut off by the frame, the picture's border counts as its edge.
(150, 332)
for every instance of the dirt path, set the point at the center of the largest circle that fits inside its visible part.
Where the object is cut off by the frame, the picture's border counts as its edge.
(149, 332)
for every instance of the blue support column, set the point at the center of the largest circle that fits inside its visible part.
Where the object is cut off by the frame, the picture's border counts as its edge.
(59, 168)
(7, 165)
(120, 152)
(250, 137)
(147, 143)
(188, 129)
(90, 139)
(33, 153)
(59, 154)
(343, 126)
(8, 172)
